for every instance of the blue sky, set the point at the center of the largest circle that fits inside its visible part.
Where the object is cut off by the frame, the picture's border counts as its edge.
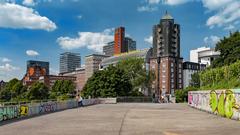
(42, 29)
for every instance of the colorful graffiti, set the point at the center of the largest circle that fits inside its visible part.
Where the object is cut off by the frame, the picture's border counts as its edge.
(23, 110)
(225, 104)
(17, 111)
(47, 107)
(7, 113)
(222, 102)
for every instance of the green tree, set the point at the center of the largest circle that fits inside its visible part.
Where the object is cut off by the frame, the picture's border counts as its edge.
(110, 82)
(38, 91)
(136, 71)
(62, 89)
(195, 82)
(230, 50)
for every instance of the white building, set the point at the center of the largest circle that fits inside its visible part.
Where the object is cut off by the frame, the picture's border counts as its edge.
(203, 55)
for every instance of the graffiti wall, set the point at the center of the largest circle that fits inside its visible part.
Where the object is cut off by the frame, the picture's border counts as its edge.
(225, 103)
(18, 111)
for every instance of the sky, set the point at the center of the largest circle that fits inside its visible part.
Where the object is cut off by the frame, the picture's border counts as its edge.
(42, 29)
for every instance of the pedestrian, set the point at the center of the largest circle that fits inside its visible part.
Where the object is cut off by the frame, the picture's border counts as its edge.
(79, 100)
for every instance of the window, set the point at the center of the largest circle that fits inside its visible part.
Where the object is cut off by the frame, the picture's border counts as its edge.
(171, 64)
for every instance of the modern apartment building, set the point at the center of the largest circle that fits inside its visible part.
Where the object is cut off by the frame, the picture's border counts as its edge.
(189, 68)
(129, 45)
(166, 61)
(69, 62)
(92, 64)
(109, 49)
(204, 55)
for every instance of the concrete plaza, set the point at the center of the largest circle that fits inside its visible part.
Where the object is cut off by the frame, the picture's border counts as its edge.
(125, 119)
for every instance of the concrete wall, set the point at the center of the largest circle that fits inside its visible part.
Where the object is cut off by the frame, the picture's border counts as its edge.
(225, 103)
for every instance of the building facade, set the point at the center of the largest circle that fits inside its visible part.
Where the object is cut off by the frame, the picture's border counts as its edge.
(166, 61)
(35, 69)
(92, 63)
(2, 84)
(122, 44)
(204, 55)
(189, 68)
(109, 49)
(129, 45)
(119, 37)
(79, 73)
(51, 79)
(69, 62)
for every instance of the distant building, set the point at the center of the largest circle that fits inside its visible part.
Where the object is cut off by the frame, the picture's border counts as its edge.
(122, 44)
(69, 62)
(129, 45)
(79, 73)
(189, 68)
(204, 55)
(109, 49)
(145, 54)
(166, 61)
(2, 84)
(51, 79)
(119, 37)
(92, 63)
(33, 63)
(35, 69)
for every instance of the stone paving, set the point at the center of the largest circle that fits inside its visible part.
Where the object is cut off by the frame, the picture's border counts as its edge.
(125, 119)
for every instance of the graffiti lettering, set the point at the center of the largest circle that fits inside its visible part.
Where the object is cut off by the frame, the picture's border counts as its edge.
(7, 113)
(47, 107)
(225, 104)
(23, 110)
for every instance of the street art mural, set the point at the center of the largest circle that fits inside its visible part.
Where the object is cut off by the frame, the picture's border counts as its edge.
(18, 111)
(7, 113)
(23, 110)
(47, 107)
(225, 103)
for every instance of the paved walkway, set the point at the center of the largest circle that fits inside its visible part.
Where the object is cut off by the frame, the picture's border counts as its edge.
(125, 119)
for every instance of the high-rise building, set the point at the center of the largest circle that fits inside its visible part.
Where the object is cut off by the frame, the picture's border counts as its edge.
(119, 37)
(129, 45)
(35, 69)
(69, 62)
(166, 60)
(109, 49)
(92, 64)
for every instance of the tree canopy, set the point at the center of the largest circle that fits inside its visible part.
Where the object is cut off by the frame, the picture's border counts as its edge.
(229, 48)
(110, 82)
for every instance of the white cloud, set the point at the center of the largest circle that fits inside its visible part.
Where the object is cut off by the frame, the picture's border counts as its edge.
(147, 8)
(175, 2)
(5, 59)
(211, 40)
(230, 27)
(226, 15)
(32, 53)
(29, 2)
(153, 1)
(149, 40)
(16, 16)
(92, 40)
(7, 68)
(79, 16)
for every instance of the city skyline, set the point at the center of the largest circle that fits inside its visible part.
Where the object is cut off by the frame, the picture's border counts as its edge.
(76, 26)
